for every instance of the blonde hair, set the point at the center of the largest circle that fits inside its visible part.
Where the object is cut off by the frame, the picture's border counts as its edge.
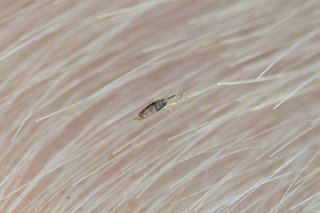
(75, 74)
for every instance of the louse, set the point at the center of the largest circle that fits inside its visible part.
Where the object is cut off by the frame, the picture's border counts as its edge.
(159, 105)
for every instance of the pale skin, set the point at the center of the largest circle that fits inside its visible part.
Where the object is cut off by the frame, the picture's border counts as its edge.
(243, 137)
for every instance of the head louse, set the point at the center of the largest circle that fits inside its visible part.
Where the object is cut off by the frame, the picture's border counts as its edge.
(159, 105)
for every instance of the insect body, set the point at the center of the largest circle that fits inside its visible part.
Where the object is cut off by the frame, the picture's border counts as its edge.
(158, 105)
(152, 108)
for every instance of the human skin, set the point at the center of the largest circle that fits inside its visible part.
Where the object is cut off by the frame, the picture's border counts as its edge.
(75, 75)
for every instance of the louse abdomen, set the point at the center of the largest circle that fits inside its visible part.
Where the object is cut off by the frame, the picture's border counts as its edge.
(152, 108)
(160, 104)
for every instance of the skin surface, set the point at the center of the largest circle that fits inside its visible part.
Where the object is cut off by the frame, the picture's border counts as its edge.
(74, 75)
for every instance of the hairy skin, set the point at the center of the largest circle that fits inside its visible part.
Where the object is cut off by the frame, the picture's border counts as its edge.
(75, 74)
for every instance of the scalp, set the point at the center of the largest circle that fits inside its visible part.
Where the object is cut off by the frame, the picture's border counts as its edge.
(243, 137)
